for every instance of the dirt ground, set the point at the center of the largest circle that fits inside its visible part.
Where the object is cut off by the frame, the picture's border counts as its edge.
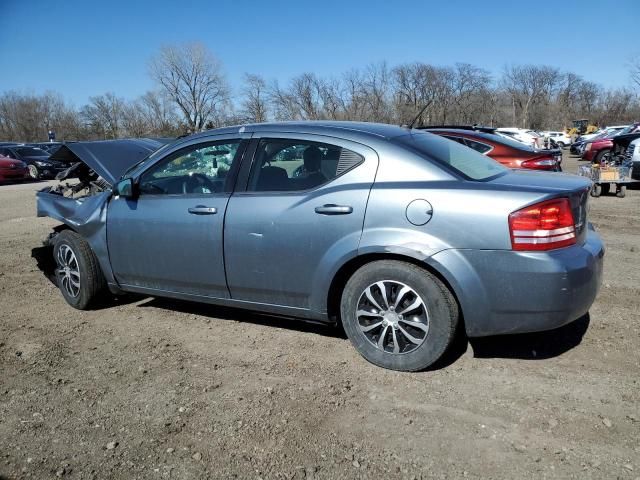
(151, 388)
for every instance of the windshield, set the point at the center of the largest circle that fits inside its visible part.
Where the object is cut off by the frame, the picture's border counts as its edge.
(452, 155)
(31, 152)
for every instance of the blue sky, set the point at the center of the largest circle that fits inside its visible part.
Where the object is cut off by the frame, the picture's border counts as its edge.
(85, 47)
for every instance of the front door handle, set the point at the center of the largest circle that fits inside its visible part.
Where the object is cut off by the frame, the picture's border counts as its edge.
(331, 209)
(202, 210)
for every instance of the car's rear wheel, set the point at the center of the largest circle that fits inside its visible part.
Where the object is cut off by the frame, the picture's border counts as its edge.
(398, 316)
(33, 172)
(560, 144)
(622, 191)
(78, 273)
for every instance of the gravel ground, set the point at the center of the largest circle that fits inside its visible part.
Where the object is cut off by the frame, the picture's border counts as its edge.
(151, 388)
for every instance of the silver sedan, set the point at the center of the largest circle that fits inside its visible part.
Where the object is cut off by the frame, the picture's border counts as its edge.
(404, 237)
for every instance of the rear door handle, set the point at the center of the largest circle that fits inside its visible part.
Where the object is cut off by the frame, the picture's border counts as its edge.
(331, 209)
(202, 210)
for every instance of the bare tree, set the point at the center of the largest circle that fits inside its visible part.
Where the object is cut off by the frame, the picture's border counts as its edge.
(254, 105)
(634, 70)
(193, 79)
(159, 113)
(103, 116)
(528, 85)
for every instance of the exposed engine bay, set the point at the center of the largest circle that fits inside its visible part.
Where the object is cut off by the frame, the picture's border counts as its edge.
(95, 166)
(88, 182)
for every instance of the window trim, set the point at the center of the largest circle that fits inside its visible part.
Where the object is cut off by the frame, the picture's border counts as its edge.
(230, 183)
(245, 177)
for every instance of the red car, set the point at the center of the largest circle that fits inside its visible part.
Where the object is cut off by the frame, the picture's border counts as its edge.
(599, 148)
(510, 153)
(11, 169)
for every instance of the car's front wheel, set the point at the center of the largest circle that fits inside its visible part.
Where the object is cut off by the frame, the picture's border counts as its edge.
(398, 316)
(78, 273)
(33, 172)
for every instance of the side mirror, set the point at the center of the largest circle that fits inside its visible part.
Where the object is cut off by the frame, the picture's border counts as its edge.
(124, 188)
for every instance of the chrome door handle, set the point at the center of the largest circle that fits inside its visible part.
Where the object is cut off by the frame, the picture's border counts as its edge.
(331, 209)
(202, 210)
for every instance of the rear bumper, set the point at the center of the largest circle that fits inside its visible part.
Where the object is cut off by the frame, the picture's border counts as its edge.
(502, 291)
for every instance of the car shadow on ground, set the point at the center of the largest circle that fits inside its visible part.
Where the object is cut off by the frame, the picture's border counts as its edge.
(216, 312)
(47, 265)
(532, 346)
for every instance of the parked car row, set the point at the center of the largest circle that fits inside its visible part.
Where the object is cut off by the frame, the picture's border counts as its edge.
(599, 147)
(20, 161)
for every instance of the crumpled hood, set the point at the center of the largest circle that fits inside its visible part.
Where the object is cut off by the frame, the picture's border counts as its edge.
(108, 158)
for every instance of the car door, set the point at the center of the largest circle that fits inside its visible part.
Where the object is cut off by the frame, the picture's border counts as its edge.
(301, 214)
(170, 236)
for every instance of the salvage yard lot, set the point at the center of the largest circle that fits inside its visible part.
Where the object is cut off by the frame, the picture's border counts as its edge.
(151, 388)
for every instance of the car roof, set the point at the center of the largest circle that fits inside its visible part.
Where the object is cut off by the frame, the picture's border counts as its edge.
(379, 130)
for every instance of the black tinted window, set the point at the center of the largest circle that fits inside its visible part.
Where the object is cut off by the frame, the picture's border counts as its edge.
(477, 146)
(294, 165)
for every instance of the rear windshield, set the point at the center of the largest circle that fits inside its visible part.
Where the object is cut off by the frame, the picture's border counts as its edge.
(452, 155)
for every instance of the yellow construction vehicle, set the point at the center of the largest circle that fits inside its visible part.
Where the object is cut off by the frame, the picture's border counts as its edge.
(581, 127)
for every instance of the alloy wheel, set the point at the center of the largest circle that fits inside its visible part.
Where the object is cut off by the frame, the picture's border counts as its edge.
(68, 271)
(393, 317)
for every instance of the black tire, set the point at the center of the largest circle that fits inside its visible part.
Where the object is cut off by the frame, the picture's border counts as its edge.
(92, 284)
(596, 190)
(440, 308)
(600, 155)
(605, 188)
(622, 191)
(560, 144)
(34, 172)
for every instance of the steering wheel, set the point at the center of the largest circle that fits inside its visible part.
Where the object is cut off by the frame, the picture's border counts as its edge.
(197, 180)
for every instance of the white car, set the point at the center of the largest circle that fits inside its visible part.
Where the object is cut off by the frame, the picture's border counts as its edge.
(528, 137)
(608, 130)
(561, 138)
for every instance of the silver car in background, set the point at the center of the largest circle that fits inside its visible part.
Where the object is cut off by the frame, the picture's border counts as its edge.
(401, 235)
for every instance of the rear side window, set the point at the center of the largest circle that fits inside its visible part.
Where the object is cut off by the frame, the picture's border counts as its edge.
(452, 156)
(298, 165)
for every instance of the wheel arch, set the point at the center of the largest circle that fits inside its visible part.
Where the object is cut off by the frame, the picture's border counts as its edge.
(345, 272)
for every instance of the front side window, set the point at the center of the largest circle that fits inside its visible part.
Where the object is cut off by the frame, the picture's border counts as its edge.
(197, 169)
(452, 156)
(296, 165)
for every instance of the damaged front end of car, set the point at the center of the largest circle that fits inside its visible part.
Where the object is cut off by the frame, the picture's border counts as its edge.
(79, 201)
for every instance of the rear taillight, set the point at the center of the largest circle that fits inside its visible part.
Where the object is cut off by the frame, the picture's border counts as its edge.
(543, 226)
(545, 163)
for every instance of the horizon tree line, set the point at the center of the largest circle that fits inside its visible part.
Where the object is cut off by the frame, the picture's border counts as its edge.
(193, 94)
